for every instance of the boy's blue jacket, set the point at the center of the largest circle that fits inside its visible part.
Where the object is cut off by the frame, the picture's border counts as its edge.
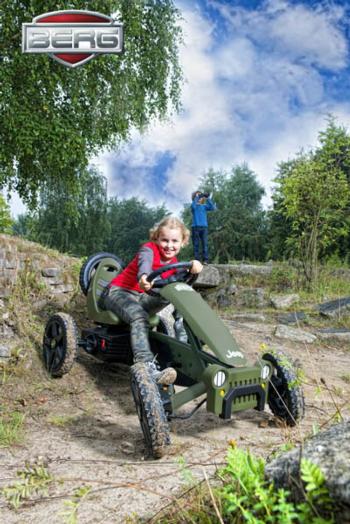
(199, 212)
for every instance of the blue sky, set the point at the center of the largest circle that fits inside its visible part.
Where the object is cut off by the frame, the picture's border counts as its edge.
(261, 77)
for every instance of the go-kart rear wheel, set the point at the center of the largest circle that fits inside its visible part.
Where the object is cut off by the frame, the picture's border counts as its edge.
(89, 267)
(60, 344)
(286, 398)
(150, 410)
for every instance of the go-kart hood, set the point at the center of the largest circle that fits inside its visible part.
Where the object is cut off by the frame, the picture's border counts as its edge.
(204, 322)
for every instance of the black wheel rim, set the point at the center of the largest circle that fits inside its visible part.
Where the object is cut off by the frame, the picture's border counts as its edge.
(55, 345)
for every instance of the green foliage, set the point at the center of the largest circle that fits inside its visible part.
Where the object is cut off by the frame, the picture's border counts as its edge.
(34, 480)
(72, 221)
(186, 473)
(346, 378)
(86, 221)
(312, 198)
(53, 118)
(5, 216)
(11, 428)
(70, 514)
(130, 221)
(248, 497)
(282, 277)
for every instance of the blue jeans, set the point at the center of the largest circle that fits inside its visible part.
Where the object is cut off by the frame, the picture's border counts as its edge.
(200, 235)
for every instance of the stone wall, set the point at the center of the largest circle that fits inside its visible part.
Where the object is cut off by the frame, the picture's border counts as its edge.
(48, 266)
(31, 276)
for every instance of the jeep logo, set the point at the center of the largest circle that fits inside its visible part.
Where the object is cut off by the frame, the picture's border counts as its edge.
(72, 37)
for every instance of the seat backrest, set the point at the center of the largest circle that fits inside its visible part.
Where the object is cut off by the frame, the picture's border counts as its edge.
(107, 269)
(104, 273)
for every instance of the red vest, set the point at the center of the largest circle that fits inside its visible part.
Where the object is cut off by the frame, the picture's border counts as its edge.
(128, 277)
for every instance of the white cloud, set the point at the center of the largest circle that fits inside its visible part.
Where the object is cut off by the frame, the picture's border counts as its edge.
(17, 207)
(254, 92)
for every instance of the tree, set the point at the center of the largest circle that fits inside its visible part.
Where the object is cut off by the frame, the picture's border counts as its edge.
(310, 215)
(72, 222)
(237, 228)
(130, 221)
(52, 118)
(334, 151)
(5, 216)
(279, 226)
(315, 195)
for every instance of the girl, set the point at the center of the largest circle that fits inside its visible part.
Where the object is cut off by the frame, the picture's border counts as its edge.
(127, 297)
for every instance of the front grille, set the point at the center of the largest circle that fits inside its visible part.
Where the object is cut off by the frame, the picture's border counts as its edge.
(245, 398)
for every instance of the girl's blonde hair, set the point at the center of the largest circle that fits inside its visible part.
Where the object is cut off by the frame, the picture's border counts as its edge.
(172, 223)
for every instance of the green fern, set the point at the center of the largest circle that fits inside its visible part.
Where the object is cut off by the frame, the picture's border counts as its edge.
(34, 480)
(248, 497)
(70, 514)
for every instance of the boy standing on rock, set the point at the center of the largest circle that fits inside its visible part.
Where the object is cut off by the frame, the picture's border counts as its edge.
(201, 203)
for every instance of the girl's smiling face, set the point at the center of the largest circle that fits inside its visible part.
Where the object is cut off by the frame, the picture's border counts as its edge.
(169, 242)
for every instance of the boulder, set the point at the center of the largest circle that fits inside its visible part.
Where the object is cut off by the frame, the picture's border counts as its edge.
(6, 331)
(251, 298)
(5, 352)
(330, 451)
(284, 301)
(245, 269)
(340, 334)
(50, 272)
(292, 318)
(209, 277)
(294, 334)
(335, 308)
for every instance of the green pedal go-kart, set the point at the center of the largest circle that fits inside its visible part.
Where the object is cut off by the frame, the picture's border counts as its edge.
(209, 363)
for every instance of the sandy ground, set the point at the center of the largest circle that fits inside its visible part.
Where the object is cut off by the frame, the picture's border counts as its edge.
(100, 443)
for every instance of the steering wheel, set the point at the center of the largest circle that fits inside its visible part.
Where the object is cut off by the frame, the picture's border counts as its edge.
(181, 276)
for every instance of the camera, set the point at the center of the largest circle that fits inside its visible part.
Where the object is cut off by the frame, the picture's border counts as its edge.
(203, 195)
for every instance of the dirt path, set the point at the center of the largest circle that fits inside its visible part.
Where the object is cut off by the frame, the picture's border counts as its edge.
(84, 428)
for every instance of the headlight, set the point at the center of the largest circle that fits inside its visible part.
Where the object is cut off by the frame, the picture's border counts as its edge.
(265, 371)
(219, 379)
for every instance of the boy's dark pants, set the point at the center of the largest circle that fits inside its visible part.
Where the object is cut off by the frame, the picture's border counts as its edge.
(134, 308)
(200, 235)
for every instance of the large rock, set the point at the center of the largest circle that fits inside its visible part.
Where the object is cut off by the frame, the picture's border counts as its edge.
(330, 451)
(209, 277)
(335, 308)
(340, 334)
(228, 272)
(294, 334)
(292, 318)
(5, 352)
(251, 298)
(284, 301)
(245, 269)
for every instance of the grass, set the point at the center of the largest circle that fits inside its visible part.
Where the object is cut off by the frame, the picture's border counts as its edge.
(11, 429)
(346, 378)
(61, 420)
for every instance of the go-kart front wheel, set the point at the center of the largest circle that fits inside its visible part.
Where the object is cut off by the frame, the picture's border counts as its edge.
(150, 410)
(60, 344)
(286, 398)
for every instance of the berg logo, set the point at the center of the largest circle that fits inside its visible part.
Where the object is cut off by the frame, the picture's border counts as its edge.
(72, 37)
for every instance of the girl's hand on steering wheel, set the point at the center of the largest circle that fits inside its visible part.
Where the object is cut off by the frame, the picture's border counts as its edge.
(196, 267)
(144, 284)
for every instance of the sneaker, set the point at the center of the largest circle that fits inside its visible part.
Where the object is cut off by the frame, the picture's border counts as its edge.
(165, 376)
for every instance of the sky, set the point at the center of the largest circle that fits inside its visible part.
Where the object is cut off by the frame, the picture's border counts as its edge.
(260, 79)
